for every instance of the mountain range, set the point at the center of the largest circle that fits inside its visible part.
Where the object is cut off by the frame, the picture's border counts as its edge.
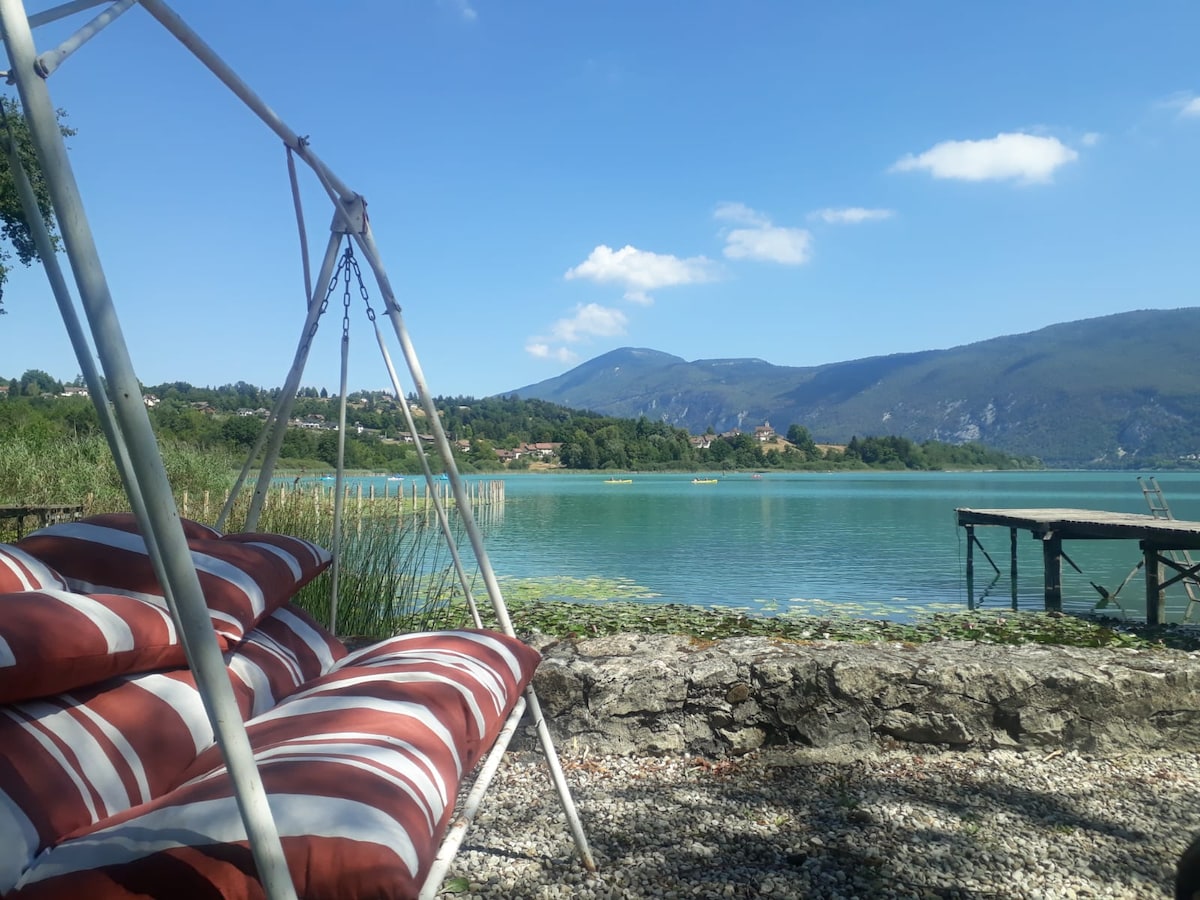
(1115, 390)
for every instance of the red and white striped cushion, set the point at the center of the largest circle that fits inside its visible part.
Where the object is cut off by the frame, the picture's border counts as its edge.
(362, 768)
(244, 577)
(285, 650)
(127, 522)
(21, 572)
(71, 760)
(53, 641)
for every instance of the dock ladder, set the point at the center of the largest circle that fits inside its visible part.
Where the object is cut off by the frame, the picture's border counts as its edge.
(1159, 509)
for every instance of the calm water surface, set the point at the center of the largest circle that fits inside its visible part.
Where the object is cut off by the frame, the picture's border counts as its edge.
(883, 544)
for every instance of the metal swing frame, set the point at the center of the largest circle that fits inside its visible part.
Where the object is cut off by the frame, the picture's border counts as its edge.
(125, 422)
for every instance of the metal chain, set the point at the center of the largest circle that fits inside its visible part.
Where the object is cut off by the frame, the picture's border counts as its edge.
(362, 288)
(312, 331)
(348, 259)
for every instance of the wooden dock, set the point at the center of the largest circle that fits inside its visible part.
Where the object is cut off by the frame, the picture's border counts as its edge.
(1156, 537)
(41, 515)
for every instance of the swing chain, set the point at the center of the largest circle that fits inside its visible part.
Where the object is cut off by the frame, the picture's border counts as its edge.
(312, 332)
(362, 288)
(348, 259)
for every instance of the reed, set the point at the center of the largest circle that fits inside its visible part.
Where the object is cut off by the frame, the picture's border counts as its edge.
(395, 570)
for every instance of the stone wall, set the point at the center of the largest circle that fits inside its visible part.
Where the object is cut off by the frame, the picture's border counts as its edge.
(630, 694)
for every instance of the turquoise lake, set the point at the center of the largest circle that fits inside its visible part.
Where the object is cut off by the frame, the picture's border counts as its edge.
(875, 544)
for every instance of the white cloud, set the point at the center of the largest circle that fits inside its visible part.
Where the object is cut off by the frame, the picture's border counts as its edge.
(1024, 157)
(1091, 139)
(851, 215)
(760, 239)
(545, 351)
(1190, 108)
(789, 246)
(640, 271)
(740, 214)
(590, 320)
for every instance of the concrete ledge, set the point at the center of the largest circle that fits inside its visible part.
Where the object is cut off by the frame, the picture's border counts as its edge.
(636, 694)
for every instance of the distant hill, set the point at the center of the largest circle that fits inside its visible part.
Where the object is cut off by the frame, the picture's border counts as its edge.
(1120, 389)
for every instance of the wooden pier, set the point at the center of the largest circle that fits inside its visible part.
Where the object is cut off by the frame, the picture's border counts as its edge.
(41, 515)
(1158, 538)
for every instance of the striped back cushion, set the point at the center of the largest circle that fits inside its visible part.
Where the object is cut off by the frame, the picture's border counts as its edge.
(284, 651)
(21, 572)
(69, 761)
(244, 577)
(54, 640)
(127, 522)
(362, 768)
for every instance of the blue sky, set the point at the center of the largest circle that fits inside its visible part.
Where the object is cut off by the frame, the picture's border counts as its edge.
(548, 181)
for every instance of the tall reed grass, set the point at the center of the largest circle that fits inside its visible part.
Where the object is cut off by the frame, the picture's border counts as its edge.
(396, 573)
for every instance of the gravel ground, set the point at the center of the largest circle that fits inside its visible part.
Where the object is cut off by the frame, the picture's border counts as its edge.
(803, 823)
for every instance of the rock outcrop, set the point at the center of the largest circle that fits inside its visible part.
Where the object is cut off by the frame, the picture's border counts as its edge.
(630, 694)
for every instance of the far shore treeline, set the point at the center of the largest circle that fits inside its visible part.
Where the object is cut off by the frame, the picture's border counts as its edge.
(492, 434)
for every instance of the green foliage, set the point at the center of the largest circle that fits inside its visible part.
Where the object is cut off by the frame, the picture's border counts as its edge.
(13, 226)
(226, 418)
(579, 619)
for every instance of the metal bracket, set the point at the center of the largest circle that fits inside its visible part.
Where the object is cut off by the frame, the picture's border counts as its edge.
(351, 215)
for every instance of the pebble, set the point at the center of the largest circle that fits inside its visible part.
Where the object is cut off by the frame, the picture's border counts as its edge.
(792, 822)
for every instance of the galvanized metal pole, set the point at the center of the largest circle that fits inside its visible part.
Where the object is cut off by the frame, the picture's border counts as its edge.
(366, 241)
(176, 568)
(288, 395)
(66, 307)
(170, 20)
(52, 59)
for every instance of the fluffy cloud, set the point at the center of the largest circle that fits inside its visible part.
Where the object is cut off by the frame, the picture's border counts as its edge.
(761, 240)
(851, 215)
(641, 271)
(1024, 157)
(1190, 108)
(590, 320)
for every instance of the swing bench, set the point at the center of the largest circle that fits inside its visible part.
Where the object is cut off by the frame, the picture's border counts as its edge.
(170, 723)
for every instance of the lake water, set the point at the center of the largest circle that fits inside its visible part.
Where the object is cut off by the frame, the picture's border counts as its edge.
(878, 544)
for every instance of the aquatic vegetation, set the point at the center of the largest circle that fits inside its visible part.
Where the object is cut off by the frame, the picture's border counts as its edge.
(594, 619)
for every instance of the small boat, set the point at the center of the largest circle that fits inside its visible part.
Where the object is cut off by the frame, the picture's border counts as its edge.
(704, 480)
(618, 481)
(395, 478)
(756, 476)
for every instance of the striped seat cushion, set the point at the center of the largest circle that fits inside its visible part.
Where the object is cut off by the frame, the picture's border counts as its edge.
(244, 577)
(362, 768)
(55, 640)
(284, 651)
(21, 572)
(70, 760)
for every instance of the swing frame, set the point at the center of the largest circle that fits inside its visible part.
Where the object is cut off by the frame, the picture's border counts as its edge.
(118, 400)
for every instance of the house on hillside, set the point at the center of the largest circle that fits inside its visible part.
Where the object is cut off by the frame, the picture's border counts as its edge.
(75, 390)
(541, 449)
(764, 433)
(701, 441)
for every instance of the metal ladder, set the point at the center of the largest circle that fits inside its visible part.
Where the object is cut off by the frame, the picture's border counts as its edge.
(1159, 509)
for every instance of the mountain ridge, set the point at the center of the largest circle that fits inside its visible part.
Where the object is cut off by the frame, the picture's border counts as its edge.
(1088, 391)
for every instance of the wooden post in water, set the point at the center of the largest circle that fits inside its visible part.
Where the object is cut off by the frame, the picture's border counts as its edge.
(1156, 598)
(1052, 564)
(1012, 540)
(183, 506)
(970, 566)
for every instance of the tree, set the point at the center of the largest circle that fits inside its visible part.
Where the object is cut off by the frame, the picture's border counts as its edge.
(13, 227)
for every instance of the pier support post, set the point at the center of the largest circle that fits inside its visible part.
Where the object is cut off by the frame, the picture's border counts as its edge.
(1012, 570)
(1052, 565)
(970, 567)
(1156, 599)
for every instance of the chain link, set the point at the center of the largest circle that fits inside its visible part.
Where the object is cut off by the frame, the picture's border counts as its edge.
(348, 259)
(312, 331)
